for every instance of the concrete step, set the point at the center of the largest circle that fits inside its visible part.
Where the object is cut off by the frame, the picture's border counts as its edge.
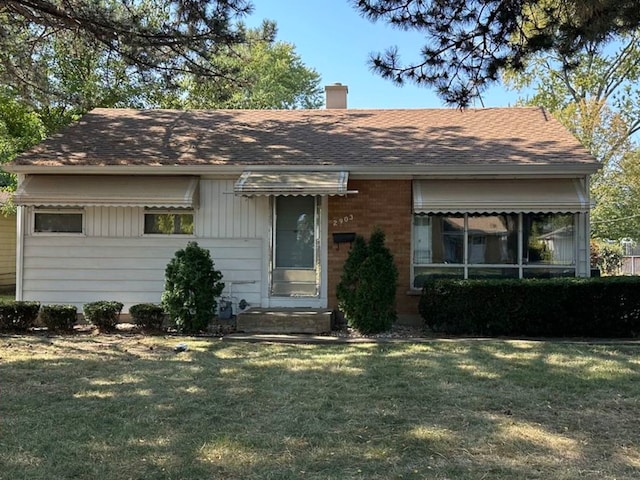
(284, 320)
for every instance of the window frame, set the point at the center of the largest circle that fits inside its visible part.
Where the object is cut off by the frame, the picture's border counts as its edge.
(520, 265)
(168, 211)
(58, 211)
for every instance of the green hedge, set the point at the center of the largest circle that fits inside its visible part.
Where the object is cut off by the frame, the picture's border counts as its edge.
(59, 317)
(565, 307)
(147, 316)
(18, 316)
(104, 314)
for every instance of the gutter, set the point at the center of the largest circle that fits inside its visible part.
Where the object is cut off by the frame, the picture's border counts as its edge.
(355, 171)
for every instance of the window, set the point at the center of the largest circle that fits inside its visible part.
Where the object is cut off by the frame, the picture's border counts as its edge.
(57, 221)
(164, 222)
(493, 246)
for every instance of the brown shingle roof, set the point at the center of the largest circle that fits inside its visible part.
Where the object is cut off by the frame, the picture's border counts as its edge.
(386, 138)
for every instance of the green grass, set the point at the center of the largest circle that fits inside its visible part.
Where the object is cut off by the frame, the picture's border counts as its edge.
(128, 407)
(6, 297)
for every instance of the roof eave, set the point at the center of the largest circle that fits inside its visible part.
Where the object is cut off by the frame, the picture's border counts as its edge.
(358, 171)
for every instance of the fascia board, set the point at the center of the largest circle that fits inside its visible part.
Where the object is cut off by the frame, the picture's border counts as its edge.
(355, 171)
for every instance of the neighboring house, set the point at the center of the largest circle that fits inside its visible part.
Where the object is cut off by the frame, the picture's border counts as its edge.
(7, 246)
(105, 204)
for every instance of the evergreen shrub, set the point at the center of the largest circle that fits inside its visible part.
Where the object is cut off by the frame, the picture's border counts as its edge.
(104, 314)
(367, 289)
(606, 307)
(18, 316)
(59, 317)
(147, 316)
(192, 285)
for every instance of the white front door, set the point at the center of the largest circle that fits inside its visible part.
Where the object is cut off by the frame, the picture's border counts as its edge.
(295, 253)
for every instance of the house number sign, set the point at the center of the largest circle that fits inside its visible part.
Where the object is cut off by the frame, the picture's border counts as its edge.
(340, 221)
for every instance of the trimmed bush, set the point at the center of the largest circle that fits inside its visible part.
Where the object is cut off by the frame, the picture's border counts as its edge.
(367, 289)
(350, 279)
(147, 316)
(18, 316)
(59, 317)
(103, 314)
(192, 285)
(564, 307)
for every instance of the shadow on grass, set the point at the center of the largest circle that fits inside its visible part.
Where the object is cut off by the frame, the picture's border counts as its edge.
(113, 406)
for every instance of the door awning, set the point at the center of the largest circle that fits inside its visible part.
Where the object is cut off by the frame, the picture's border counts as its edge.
(291, 183)
(108, 191)
(499, 196)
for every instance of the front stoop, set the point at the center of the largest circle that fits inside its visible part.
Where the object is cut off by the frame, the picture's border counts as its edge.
(284, 320)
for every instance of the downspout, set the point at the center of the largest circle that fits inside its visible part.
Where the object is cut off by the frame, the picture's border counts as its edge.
(20, 228)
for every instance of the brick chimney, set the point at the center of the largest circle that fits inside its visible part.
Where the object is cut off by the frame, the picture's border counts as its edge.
(336, 95)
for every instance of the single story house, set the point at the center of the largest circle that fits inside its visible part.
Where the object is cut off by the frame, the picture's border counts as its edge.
(7, 246)
(277, 195)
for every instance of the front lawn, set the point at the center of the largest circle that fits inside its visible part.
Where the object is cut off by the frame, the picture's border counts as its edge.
(128, 407)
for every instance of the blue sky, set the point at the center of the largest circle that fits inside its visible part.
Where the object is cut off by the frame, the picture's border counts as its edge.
(334, 39)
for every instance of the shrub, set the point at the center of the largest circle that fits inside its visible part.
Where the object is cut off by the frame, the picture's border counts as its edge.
(607, 257)
(147, 316)
(18, 315)
(103, 314)
(350, 280)
(367, 289)
(192, 285)
(59, 317)
(576, 307)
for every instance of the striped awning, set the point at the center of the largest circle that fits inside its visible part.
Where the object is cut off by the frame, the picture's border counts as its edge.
(291, 183)
(108, 191)
(556, 195)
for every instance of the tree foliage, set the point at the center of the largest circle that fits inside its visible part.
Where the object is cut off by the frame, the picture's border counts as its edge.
(159, 37)
(269, 74)
(469, 42)
(595, 94)
(20, 128)
(215, 63)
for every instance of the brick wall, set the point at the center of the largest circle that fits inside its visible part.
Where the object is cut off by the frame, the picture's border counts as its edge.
(383, 203)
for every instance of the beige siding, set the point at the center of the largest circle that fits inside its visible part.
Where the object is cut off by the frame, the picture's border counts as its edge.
(77, 270)
(114, 221)
(7, 250)
(224, 215)
(114, 260)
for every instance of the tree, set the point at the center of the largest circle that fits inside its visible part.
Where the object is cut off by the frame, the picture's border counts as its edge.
(367, 289)
(269, 74)
(150, 37)
(350, 280)
(20, 129)
(595, 94)
(469, 42)
(617, 212)
(192, 285)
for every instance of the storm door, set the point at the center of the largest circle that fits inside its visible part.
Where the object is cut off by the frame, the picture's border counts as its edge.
(295, 246)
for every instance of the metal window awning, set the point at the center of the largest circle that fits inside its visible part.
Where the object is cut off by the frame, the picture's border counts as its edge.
(499, 196)
(108, 191)
(291, 183)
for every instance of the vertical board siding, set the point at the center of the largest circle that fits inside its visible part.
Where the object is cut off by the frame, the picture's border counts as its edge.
(76, 270)
(114, 221)
(225, 215)
(7, 250)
